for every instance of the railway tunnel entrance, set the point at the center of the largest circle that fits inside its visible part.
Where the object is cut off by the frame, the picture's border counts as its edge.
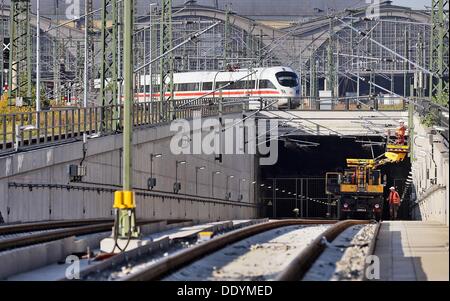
(297, 180)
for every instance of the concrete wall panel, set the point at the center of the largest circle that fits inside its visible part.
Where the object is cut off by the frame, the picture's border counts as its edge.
(432, 198)
(49, 167)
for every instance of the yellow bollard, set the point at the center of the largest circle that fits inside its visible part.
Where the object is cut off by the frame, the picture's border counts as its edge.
(128, 199)
(118, 200)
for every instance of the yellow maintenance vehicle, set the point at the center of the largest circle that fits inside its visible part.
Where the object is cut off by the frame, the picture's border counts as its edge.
(359, 189)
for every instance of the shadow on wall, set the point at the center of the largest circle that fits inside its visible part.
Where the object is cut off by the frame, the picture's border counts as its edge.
(415, 207)
(417, 214)
(2, 221)
(395, 264)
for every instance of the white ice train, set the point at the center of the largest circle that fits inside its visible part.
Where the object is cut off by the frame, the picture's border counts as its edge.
(277, 85)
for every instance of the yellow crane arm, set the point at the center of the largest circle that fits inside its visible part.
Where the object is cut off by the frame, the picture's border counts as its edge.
(390, 158)
(394, 154)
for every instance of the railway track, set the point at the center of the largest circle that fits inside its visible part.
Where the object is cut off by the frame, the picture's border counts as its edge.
(49, 225)
(69, 228)
(301, 264)
(294, 271)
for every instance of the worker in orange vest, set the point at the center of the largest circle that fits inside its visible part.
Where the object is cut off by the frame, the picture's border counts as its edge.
(400, 133)
(394, 203)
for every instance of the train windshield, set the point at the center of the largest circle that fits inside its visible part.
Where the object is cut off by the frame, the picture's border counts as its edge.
(287, 79)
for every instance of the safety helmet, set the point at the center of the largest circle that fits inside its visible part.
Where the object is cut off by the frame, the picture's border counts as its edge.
(392, 188)
(401, 121)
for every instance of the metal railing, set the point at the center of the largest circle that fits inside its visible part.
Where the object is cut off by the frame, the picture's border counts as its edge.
(23, 130)
(352, 104)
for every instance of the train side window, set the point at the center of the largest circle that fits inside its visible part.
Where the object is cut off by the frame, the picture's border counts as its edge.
(237, 85)
(223, 84)
(266, 84)
(194, 87)
(243, 85)
(191, 87)
(207, 86)
(187, 87)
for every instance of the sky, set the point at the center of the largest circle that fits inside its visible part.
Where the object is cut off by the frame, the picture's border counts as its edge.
(417, 4)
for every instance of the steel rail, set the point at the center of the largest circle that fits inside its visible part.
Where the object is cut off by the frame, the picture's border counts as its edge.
(37, 238)
(48, 225)
(183, 258)
(301, 264)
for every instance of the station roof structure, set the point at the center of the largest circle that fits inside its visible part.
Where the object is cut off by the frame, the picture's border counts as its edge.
(279, 10)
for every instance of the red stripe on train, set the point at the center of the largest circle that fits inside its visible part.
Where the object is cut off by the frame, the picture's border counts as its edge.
(197, 94)
(230, 93)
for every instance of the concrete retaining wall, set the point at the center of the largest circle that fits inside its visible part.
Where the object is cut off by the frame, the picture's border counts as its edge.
(431, 197)
(103, 161)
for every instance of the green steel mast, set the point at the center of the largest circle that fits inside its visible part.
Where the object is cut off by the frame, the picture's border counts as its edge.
(109, 67)
(19, 75)
(439, 48)
(166, 62)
